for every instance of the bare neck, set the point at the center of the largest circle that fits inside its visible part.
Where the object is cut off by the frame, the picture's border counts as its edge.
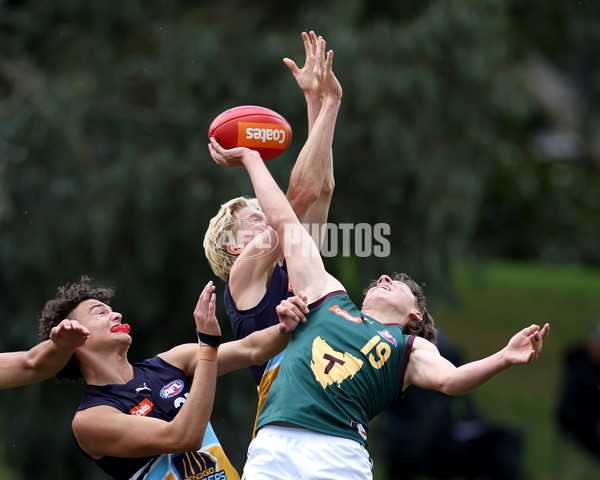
(383, 316)
(103, 369)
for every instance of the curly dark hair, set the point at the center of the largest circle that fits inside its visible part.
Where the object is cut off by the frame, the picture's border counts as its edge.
(424, 328)
(56, 310)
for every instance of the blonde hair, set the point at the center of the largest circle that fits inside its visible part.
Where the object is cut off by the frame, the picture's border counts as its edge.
(215, 249)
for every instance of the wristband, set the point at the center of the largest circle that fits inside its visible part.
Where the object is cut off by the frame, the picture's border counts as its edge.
(210, 340)
(208, 354)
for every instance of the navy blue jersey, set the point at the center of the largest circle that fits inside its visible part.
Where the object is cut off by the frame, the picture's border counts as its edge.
(158, 389)
(263, 315)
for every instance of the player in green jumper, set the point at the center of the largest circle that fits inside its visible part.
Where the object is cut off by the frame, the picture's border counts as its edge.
(345, 365)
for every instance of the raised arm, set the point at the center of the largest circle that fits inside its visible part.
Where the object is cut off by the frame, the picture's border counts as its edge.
(263, 345)
(254, 349)
(311, 181)
(105, 431)
(428, 369)
(310, 277)
(44, 360)
(305, 266)
(305, 77)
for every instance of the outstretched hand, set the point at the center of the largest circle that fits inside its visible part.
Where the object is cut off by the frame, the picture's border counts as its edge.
(305, 76)
(316, 77)
(229, 158)
(204, 313)
(324, 71)
(526, 346)
(291, 312)
(69, 334)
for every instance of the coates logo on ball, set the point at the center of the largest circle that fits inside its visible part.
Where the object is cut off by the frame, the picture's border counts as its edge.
(258, 128)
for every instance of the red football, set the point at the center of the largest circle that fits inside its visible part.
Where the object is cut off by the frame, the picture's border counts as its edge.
(258, 128)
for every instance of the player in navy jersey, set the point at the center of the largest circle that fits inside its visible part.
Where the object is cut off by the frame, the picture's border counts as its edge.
(150, 420)
(43, 360)
(347, 364)
(240, 247)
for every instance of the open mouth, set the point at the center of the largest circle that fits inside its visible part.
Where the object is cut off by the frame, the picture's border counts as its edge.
(121, 327)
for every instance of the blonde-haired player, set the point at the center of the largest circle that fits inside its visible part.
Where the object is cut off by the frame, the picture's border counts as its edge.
(239, 244)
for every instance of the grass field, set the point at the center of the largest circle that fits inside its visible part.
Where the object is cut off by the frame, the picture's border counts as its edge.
(493, 304)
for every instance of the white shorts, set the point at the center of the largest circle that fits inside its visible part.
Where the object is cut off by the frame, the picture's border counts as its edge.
(300, 454)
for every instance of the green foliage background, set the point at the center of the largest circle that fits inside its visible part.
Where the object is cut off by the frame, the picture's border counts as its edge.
(104, 109)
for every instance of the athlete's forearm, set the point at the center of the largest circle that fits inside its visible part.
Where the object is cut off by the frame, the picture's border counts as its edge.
(312, 175)
(265, 344)
(471, 375)
(187, 429)
(255, 349)
(271, 198)
(313, 107)
(37, 364)
(47, 358)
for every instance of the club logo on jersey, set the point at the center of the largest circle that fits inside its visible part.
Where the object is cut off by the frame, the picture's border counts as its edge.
(290, 289)
(330, 366)
(198, 465)
(344, 314)
(388, 336)
(172, 389)
(143, 409)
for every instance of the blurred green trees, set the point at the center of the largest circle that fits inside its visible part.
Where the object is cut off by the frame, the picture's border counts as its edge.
(470, 127)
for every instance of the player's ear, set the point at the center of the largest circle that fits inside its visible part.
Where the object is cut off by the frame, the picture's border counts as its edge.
(415, 316)
(234, 250)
